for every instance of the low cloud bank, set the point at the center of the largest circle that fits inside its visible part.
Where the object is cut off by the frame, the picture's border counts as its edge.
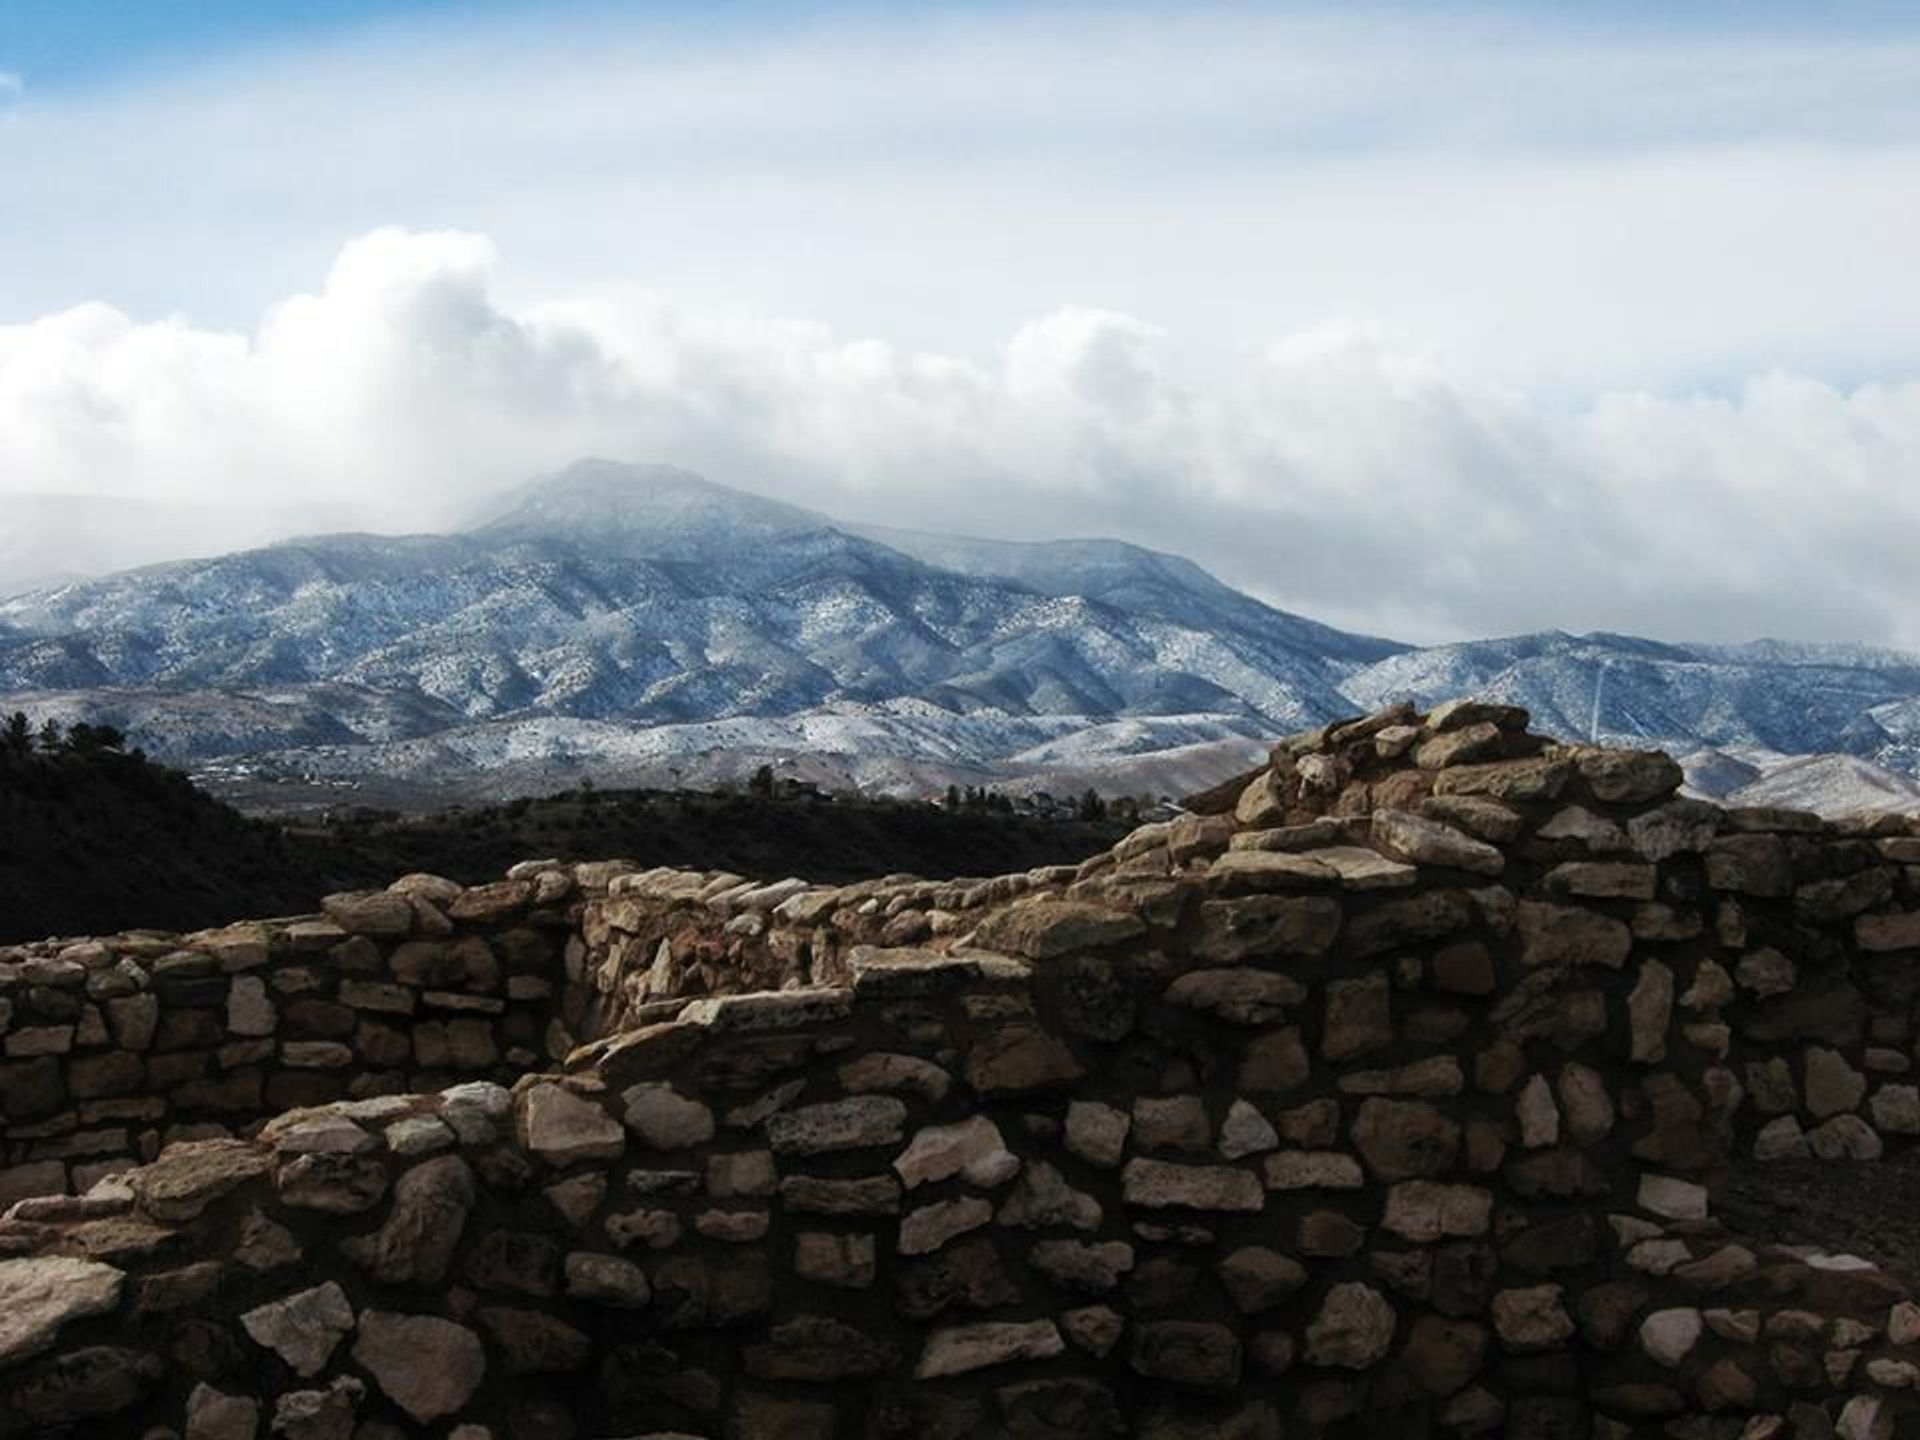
(1343, 471)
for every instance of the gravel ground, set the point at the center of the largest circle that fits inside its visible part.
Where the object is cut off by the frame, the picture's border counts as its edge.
(1870, 1209)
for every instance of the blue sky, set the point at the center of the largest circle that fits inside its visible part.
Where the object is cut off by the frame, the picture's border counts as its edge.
(64, 43)
(1423, 292)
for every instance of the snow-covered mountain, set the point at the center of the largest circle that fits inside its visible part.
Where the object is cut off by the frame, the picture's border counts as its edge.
(1769, 697)
(644, 623)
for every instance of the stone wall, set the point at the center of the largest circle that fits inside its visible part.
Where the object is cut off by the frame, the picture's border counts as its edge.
(113, 1047)
(1389, 1103)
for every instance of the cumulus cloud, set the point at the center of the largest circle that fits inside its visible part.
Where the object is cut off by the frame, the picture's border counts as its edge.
(1345, 470)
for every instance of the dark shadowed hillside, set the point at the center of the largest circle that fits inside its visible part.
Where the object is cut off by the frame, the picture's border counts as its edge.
(94, 840)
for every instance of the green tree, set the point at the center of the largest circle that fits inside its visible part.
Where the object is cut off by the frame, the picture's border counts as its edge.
(762, 782)
(51, 739)
(18, 738)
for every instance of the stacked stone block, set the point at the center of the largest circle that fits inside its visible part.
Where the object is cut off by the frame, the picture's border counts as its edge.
(1389, 1100)
(111, 1048)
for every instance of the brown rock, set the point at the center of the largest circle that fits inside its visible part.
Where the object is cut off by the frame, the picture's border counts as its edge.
(1257, 1278)
(532, 1343)
(39, 1296)
(1405, 1139)
(1750, 865)
(431, 1203)
(1353, 1329)
(1444, 1355)
(1018, 1060)
(1430, 915)
(1628, 777)
(1266, 926)
(1559, 935)
(1531, 1318)
(1359, 1017)
(1422, 841)
(427, 1366)
(1044, 929)
(1188, 1353)
(1539, 778)
(820, 1349)
(960, 1349)
(190, 1176)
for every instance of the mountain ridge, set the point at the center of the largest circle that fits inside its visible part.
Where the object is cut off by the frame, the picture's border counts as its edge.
(607, 598)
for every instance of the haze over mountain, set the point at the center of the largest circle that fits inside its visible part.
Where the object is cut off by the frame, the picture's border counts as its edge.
(642, 623)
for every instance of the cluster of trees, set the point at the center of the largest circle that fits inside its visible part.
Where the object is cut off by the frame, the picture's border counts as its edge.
(19, 739)
(1089, 805)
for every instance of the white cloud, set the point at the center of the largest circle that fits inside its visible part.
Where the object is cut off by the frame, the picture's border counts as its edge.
(1655, 200)
(1343, 470)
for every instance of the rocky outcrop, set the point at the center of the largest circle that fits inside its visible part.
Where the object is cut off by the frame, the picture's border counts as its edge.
(1392, 1101)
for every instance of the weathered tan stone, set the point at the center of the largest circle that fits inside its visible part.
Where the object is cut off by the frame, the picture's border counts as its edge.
(1628, 777)
(1245, 1131)
(1171, 1122)
(1832, 1086)
(847, 1262)
(1649, 1012)
(1531, 1318)
(1159, 1184)
(1042, 1198)
(564, 1128)
(1266, 925)
(1463, 746)
(666, 1120)
(215, 1415)
(1561, 935)
(861, 1123)
(190, 1176)
(961, 1349)
(427, 1366)
(304, 1328)
(1085, 1269)
(1437, 1075)
(1538, 778)
(40, 1295)
(1414, 920)
(1879, 934)
(1240, 996)
(1097, 1133)
(416, 1242)
(1313, 1170)
(1045, 928)
(606, 1280)
(1018, 1060)
(1188, 1353)
(1354, 1328)
(1405, 1139)
(1423, 1212)
(370, 912)
(1257, 872)
(1423, 841)
(1359, 1017)
(972, 1149)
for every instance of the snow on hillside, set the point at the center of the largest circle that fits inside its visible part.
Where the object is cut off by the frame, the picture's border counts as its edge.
(642, 619)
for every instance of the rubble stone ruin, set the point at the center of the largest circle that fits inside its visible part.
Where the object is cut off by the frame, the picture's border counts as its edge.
(1390, 1100)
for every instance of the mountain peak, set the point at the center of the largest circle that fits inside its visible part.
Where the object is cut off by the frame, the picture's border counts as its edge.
(657, 511)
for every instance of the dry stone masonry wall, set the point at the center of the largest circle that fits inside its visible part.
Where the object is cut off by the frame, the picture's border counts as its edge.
(1390, 1100)
(111, 1048)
